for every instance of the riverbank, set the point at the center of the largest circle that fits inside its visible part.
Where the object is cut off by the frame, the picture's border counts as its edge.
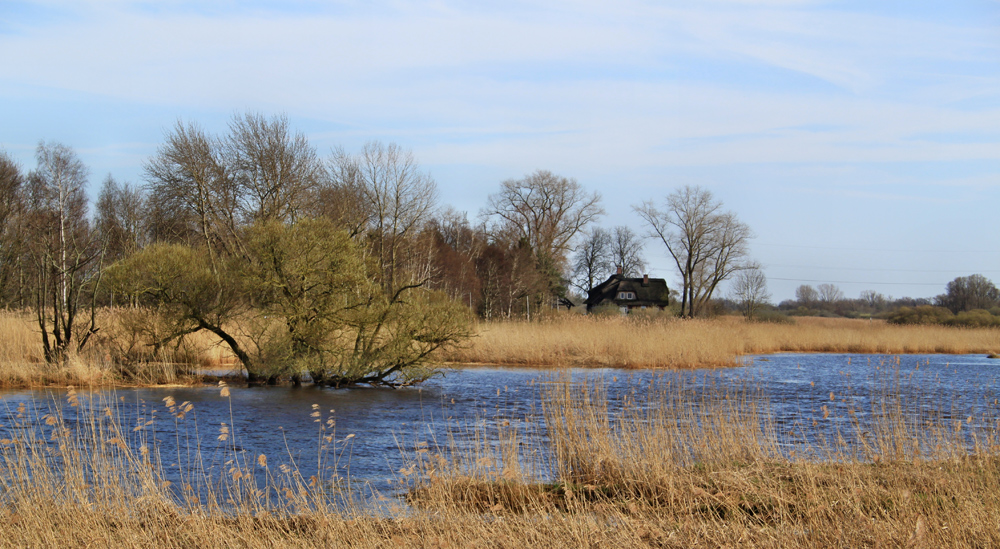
(622, 342)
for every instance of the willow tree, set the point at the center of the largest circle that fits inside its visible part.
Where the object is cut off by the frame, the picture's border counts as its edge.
(302, 301)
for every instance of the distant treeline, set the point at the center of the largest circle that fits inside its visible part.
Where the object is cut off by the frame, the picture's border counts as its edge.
(972, 301)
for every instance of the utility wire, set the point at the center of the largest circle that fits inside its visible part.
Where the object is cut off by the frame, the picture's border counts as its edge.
(855, 249)
(769, 265)
(940, 284)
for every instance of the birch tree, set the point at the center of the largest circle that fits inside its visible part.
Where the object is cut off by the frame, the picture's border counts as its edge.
(62, 249)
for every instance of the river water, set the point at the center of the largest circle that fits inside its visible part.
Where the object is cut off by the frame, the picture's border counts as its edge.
(372, 431)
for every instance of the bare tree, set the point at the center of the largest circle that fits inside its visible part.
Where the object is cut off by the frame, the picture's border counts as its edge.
(275, 171)
(593, 259)
(397, 198)
(706, 243)
(966, 293)
(191, 191)
(11, 233)
(120, 219)
(874, 300)
(626, 251)
(546, 211)
(749, 289)
(341, 196)
(63, 250)
(806, 295)
(215, 188)
(829, 294)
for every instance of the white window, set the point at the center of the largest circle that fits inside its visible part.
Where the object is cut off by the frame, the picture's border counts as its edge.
(626, 295)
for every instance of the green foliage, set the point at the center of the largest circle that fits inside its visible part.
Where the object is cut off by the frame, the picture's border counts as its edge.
(389, 339)
(976, 318)
(921, 314)
(302, 301)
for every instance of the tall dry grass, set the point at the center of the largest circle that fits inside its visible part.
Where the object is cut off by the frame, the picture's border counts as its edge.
(95, 480)
(708, 468)
(680, 467)
(577, 340)
(119, 353)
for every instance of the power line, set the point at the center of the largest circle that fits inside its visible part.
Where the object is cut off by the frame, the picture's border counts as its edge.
(940, 284)
(855, 249)
(881, 270)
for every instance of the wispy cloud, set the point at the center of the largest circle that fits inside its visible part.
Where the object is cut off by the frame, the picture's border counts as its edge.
(864, 102)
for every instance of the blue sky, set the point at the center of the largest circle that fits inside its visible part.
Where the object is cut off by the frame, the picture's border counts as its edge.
(860, 140)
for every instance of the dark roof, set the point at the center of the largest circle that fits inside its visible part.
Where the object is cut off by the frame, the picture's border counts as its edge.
(651, 294)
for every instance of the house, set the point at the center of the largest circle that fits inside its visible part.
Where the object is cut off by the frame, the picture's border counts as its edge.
(629, 293)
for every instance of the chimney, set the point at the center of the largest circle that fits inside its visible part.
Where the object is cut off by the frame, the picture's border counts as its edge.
(619, 271)
(645, 280)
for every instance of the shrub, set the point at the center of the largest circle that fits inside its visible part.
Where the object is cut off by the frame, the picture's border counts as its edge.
(976, 318)
(921, 314)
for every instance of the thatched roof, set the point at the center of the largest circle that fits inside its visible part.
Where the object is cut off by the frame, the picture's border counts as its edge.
(648, 292)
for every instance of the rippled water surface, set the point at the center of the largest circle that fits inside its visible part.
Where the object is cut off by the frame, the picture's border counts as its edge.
(280, 421)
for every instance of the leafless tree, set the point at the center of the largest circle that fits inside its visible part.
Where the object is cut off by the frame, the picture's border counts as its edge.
(966, 293)
(191, 191)
(11, 230)
(397, 198)
(340, 197)
(546, 211)
(121, 219)
(707, 244)
(626, 251)
(62, 248)
(216, 187)
(806, 295)
(874, 300)
(829, 294)
(593, 259)
(749, 289)
(274, 170)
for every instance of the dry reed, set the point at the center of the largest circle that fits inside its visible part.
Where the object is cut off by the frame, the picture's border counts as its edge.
(577, 340)
(118, 354)
(680, 467)
(709, 468)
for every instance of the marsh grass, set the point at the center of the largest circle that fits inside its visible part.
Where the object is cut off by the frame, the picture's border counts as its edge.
(119, 354)
(578, 340)
(669, 464)
(689, 467)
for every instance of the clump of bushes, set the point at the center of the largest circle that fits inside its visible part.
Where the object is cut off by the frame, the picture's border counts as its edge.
(929, 314)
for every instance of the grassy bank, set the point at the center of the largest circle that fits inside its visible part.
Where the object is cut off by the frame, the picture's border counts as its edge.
(699, 468)
(577, 340)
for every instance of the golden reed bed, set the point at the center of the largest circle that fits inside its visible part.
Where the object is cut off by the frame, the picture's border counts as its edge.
(576, 340)
(559, 340)
(699, 468)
